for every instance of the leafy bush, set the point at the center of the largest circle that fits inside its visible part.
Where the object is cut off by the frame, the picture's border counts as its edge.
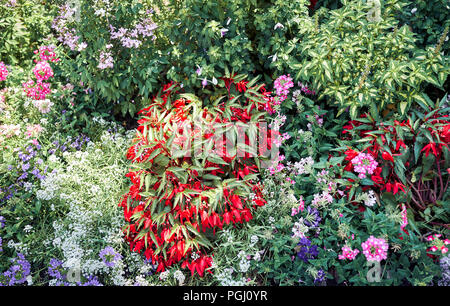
(111, 51)
(413, 159)
(139, 44)
(23, 26)
(250, 36)
(429, 20)
(322, 217)
(361, 63)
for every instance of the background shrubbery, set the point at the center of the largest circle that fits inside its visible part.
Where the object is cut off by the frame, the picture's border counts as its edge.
(341, 84)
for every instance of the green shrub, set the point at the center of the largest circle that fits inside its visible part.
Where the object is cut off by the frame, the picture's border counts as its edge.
(23, 27)
(359, 63)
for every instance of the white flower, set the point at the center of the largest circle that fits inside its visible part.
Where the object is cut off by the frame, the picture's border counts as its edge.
(27, 228)
(413, 10)
(278, 25)
(163, 275)
(29, 280)
(254, 239)
(82, 46)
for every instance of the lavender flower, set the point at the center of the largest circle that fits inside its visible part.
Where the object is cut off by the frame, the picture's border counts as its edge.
(18, 272)
(91, 281)
(54, 268)
(110, 256)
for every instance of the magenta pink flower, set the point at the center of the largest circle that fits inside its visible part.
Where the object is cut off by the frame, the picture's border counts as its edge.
(282, 85)
(364, 164)
(46, 53)
(3, 71)
(37, 91)
(404, 217)
(375, 249)
(348, 253)
(43, 71)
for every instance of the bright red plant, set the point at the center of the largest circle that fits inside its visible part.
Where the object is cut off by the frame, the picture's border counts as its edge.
(179, 196)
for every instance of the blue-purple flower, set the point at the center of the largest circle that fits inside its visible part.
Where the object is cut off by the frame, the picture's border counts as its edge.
(18, 271)
(306, 250)
(109, 256)
(54, 270)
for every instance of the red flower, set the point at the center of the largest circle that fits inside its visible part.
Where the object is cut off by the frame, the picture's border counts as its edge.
(431, 146)
(445, 134)
(387, 156)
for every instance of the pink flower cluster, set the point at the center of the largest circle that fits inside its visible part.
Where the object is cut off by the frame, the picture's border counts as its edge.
(348, 253)
(322, 199)
(300, 207)
(46, 53)
(106, 60)
(43, 71)
(3, 71)
(404, 217)
(364, 164)
(282, 85)
(438, 244)
(66, 36)
(375, 249)
(43, 106)
(132, 37)
(33, 130)
(37, 91)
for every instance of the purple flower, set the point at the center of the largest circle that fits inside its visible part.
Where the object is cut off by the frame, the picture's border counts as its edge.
(204, 82)
(23, 176)
(2, 221)
(199, 70)
(18, 272)
(25, 167)
(312, 218)
(223, 32)
(54, 268)
(109, 256)
(321, 276)
(307, 251)
(91, 281)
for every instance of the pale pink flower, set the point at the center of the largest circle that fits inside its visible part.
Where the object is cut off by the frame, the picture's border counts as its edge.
(364, 164)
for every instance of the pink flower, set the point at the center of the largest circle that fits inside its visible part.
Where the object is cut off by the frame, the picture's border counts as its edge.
(364, 164)
(301, 207)
(37, 91)
(282, 85)
(348, 253)
(33, 130)
(3, 71)
(375, 249)
(105, 61)
(46, 53)
(404, 217)
(43, 71)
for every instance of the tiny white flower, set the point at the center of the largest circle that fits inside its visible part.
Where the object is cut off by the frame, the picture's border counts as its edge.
(413, 10)
(278, 25)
